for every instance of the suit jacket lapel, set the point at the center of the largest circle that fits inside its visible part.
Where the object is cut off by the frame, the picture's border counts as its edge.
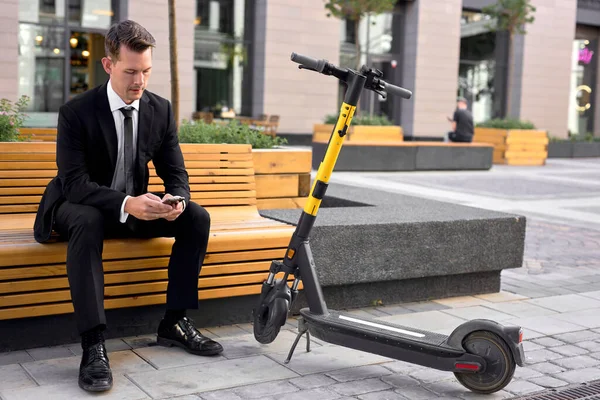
(107, 123)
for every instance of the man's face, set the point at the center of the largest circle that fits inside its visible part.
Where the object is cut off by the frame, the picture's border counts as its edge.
(129, 75)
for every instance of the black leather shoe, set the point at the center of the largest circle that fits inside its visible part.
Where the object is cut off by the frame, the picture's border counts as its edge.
(94, 372)
(183, 334)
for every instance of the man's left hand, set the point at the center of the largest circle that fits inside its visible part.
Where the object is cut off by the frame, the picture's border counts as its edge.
(176, 211)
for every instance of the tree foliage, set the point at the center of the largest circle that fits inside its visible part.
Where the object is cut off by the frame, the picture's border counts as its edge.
(511, 15)
(355, 10)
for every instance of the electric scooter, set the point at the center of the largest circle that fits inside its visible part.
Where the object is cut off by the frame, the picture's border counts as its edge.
(482, 354)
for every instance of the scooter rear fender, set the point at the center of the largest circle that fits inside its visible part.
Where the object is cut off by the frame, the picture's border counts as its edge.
(512, 335)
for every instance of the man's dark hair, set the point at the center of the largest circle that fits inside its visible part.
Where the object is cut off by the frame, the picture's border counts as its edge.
(130, 34)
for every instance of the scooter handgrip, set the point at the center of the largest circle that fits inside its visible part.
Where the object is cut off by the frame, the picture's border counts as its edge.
(396, 90)
(309, 62)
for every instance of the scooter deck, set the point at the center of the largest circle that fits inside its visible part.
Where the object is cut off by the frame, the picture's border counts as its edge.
(394, 341)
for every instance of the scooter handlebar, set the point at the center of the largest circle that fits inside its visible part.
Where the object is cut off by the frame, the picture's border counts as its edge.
(309, 62)
(396, 90)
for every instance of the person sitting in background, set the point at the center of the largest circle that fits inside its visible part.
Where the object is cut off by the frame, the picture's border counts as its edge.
(462, 123)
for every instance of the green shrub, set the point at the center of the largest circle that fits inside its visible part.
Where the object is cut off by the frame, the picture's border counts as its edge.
(377, 120)
(506, 123)
(232, 133)
(588, 137)
(11, 118)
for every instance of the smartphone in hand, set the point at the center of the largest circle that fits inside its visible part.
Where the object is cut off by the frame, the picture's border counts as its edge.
(173, 200)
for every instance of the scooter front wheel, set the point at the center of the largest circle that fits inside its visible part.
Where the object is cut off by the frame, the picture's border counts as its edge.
(500, 364)
(268, 320)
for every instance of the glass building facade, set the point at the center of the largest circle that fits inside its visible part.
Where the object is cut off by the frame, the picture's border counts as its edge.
(61, 43)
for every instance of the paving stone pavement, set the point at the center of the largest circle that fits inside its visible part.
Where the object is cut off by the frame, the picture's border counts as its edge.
(555, 296)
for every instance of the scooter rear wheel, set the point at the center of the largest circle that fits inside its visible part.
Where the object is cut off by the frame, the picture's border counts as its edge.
(500, 362)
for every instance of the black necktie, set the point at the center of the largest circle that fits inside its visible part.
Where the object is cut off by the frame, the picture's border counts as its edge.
(128, 159)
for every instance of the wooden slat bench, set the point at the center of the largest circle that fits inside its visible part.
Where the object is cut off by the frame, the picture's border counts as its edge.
(515, 146)
(33, 280)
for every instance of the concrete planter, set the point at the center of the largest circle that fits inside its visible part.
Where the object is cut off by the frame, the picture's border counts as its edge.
(515, 146)
(573, 149)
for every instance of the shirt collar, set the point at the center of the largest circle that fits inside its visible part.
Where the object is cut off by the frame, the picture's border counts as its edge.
(116, 102)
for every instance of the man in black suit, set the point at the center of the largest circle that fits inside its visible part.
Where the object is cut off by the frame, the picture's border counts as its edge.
(106, 137)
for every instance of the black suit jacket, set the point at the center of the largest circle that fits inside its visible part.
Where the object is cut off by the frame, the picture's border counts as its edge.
(86, 155)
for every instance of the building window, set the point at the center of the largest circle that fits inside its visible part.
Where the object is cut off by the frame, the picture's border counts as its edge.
(583, 86)
(220, 55)
(60, 58)
(477, 66)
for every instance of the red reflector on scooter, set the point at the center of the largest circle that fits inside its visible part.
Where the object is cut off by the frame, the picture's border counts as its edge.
(467, 367)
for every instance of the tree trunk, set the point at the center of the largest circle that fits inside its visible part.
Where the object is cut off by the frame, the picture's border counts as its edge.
(358, 53)
(509, 75)
(173, 56)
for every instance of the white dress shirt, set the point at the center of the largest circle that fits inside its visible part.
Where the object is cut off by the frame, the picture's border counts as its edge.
(116, 103)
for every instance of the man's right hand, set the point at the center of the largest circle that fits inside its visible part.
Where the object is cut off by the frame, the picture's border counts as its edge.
(147, 207)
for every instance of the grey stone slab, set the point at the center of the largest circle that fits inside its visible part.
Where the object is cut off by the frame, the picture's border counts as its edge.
(318, 393)
(415, 392)
(312, 381)
(461, 301)
(260, 390)
(453, 158)
(188, 397)
(586, 318)
(429, 375)
(525, 373)
(429, 320)
(122, 389)
(549, 342)
(448, 388)
(394, 310)
(589, 345)
(215, 375)
(401, 367)
(328, 358)
(523, 387)
(521, 309)
(529, 345)
(579, 375)
(15, 357)
(493, 396)
(479, 312)
(227, 394)
(547, 368)
(60, 370)
(566, 303)
(14, 377)
(355, 388)
(547, 325)
(400, 381)
(538, 356)
(367, 313)
(384, 395)
(363, 372)
(577, 362)
(136, 342)
(548, 382)
(369, 158)
(424, 306)
(112, 345)
(48, 353)
(579, 336)
(225, 331)
(500, 297)
(593, 295)
(244, 346)
(160, 357)
(569, 350)
(595, 355)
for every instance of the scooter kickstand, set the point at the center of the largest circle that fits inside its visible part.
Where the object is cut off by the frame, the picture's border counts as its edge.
(302, 329)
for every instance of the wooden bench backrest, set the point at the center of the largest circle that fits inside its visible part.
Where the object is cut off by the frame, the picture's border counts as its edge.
(38, 134)
(220, 175)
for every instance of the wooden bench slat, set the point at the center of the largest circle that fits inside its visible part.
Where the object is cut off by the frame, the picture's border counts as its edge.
(18, 182)
(27, 174)
(19, 191)
(27, 156)
(52, 296)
